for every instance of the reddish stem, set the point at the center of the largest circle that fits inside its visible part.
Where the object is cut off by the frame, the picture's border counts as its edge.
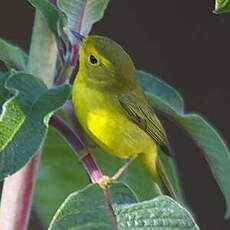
(89, 162)
(111, 211)
(78, 146)
(17, 196)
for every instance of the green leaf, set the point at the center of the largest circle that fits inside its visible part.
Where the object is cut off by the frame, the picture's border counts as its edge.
(87, 209)
(222, 6)
(216, 152)
(49, 11)
(162, 90)
(12, 56)
(24, 119)
(81, 15)
(160, 213)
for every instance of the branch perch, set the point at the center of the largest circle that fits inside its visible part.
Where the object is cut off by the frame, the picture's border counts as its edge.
(78, 146)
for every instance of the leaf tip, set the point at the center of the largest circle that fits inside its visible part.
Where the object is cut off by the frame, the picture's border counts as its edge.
(222, 6)
(227, 214)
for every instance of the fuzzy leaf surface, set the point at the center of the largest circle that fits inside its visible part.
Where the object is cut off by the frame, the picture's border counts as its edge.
(160, 213)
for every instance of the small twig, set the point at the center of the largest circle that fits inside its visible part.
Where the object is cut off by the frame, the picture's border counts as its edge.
(78, 146)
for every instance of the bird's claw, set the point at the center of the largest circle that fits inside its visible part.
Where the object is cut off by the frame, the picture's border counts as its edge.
(105, 180)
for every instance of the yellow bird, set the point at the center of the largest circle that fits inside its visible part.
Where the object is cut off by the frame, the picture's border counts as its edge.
(112, 107)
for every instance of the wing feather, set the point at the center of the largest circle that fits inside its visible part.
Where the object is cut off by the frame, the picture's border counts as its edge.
(140, 111)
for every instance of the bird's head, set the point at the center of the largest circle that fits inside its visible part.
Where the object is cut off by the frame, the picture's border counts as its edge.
(104, 64)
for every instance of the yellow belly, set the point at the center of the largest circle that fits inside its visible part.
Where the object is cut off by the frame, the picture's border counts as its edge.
(103, 118)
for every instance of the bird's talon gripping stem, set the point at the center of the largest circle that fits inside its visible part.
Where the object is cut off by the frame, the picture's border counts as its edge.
(104, 181)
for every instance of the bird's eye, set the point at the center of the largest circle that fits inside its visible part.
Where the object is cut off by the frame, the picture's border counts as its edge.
(93, 60)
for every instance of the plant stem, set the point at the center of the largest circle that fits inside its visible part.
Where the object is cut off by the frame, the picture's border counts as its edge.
(17, 197)
(18, 189)
(111, 211)
(78, 146)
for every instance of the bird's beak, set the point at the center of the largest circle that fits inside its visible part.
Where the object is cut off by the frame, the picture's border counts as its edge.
(78, 35)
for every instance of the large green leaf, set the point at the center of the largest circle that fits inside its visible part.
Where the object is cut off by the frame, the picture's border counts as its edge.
(168, 101)
(87, 209)
(24, 119)
(49, 11)
(81, 15)
(12, 56)
(222, 6)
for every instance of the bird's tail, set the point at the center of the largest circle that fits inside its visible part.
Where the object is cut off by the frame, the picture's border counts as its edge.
(162, 169)
(169, 176)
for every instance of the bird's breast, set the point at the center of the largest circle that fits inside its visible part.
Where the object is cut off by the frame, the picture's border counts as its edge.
(103, 118)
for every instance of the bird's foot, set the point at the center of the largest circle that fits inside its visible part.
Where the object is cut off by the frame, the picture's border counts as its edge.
(105, 180)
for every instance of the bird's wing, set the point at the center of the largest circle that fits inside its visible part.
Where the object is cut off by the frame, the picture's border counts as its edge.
(139, 110)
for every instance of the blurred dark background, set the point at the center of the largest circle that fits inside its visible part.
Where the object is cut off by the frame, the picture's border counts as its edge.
(185, 44)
